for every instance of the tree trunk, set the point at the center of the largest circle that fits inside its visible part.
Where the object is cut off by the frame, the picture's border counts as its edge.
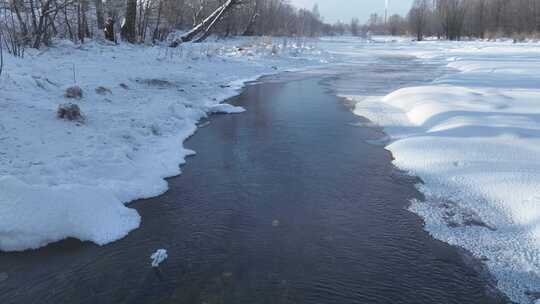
(24, 28)
(144, 21)
(80, 32)
(99, 14)
(84, 18)
(109, 30)
(41, 28)
(34, 18)
(250, 29)
(158, 21)
(130, 22)
(68, 25)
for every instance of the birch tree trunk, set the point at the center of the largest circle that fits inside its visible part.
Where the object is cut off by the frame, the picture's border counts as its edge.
(206, 25)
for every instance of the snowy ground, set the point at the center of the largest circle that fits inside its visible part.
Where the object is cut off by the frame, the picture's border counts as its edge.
(63, 179)
(473, 137)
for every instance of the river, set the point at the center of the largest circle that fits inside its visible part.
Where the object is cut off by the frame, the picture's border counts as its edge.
(286, 203)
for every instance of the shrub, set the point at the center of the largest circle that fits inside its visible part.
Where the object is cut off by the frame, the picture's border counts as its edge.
(74, 92)
(69, 111)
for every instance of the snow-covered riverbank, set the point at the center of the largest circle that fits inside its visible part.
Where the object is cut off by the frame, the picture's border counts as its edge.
(473, 137)
(63, 179)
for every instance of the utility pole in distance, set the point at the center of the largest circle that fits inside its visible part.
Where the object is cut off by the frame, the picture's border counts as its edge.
(385, 11)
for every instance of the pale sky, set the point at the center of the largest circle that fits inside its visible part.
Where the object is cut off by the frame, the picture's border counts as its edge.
(345, 10)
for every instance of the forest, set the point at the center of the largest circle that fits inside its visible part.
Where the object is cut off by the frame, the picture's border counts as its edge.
(484, 19)
(34, 23)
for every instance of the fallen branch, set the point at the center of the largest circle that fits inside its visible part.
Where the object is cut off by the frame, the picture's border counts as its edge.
(206, 25)
(208, 30)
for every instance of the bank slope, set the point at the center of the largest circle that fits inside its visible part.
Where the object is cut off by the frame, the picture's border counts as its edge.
(62, 178)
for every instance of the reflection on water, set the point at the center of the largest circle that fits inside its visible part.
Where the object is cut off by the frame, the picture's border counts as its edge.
(286, 203)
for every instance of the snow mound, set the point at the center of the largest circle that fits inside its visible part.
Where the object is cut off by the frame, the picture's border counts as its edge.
(32, 216)
(225, 109)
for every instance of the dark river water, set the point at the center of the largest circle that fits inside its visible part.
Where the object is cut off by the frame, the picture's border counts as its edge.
(286, 203)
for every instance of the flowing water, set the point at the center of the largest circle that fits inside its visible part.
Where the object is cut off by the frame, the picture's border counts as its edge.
(286, 203)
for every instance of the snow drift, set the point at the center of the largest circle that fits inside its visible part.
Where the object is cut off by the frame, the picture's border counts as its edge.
(474, 138)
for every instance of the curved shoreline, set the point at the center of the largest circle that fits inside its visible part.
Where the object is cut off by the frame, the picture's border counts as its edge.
(289, 176)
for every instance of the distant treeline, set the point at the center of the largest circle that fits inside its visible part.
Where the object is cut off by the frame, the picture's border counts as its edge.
(33, 23)
(455, 19)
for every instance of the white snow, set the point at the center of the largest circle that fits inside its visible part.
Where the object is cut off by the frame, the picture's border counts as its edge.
(474, 138)
(159, 257)
(62, 179)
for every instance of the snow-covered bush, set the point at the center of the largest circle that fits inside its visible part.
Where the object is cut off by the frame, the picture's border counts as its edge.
(69, 111)
(74, 92)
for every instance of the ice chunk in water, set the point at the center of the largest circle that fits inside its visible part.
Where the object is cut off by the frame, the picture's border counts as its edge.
(158, 257)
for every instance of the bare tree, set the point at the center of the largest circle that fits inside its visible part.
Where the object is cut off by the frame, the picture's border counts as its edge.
(453, 19)
(129, 33)
(109, 30)
(155, 33)
(100, 19)
(418, 18)
(82, 21)
(250, 28)
(452, 16)
(396, 25)
(40, 26)
(355, 27)
(35, 22)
